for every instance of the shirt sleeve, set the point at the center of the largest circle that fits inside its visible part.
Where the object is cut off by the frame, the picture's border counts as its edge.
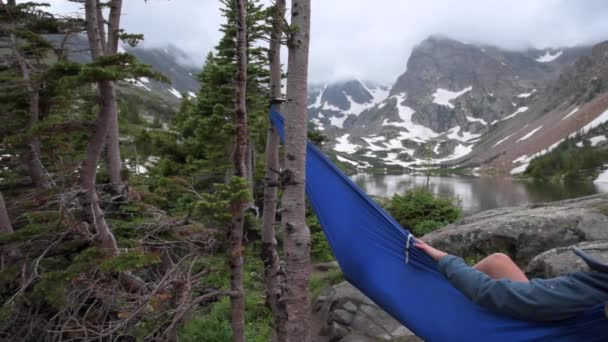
(524, 300)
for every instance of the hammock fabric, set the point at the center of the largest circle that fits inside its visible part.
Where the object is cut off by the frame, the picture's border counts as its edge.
(371, 249)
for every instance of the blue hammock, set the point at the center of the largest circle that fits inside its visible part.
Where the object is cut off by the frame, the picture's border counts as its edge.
(370, 247)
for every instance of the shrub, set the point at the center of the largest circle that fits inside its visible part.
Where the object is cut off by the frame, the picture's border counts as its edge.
(319, 249)
(421, 211)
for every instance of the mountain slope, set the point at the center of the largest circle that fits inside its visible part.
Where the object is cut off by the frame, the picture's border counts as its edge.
(452, 97)
(167, 61)
(576, 102)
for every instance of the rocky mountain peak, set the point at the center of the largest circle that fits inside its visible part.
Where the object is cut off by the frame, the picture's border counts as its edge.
(450, 96)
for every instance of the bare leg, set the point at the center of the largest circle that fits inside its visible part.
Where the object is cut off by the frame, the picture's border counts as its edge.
(500, 266)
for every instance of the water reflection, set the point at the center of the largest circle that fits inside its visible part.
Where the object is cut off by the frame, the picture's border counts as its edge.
(478, 193)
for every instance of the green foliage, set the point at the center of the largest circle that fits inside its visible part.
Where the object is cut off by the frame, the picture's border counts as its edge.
(421, 211)
(319, 249)
(316, 136)
(569, 161)
(206, 125)
(214, 326)
(52, 285)
(128, 261)
(321, 281)
(216, 206)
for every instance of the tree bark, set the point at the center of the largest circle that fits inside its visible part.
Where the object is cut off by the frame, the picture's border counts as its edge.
(114, 25)
(102, 28)
(110, 47)
(240, 170)
(32, 155)
(88, 172)
(5, 221)
(297, 235)
(270, 255)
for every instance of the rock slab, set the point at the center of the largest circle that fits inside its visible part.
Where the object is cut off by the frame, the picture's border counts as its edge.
(350, 316)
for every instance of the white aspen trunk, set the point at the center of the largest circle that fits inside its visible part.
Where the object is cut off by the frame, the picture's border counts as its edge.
(270, 256)
(5, 221)
(88, 172)
(240, 170)
(297, 234)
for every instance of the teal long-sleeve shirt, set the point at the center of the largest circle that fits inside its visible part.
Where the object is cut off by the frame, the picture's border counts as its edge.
(539, 300)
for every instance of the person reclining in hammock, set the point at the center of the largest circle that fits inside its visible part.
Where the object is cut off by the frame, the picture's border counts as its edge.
(499, 285)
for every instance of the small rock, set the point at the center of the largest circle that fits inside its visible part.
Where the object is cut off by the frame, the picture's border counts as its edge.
(341, 316)
(562, 260)
(354, 337)
(337, 331)
(350, 307)
(363, 324)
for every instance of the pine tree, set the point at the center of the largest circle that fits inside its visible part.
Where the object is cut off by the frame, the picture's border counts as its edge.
(207, 126)
(28, 50)
(239, 163)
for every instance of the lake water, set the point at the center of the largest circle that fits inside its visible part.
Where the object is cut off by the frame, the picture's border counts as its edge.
(478, 193)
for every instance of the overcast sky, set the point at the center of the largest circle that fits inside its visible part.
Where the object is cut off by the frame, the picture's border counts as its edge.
(372, 39)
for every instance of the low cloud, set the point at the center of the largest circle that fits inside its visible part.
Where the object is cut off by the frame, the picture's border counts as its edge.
(373, 39)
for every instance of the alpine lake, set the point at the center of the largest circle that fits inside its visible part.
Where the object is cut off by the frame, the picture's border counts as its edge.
(477, 194)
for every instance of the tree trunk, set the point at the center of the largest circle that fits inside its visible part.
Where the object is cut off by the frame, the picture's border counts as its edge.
(113, 159)
(297, 235)
(88, 172)
(5, 221)
(114, 25)
(240, 170)
(270, 256)
(102, 28)
(32, 155)
(110, 47)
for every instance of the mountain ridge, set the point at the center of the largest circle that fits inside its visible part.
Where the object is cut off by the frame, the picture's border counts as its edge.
(452, 97)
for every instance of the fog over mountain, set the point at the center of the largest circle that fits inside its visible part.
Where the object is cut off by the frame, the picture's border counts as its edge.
(373, 40)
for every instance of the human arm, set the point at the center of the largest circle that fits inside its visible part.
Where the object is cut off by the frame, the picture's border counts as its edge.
(537, 300)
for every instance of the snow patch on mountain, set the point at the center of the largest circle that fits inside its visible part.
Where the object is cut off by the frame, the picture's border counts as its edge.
(443, 96)
(405, 114)
(526, 95)
(356, 108)
(175, 92)
(472, 119)
(596, 140)
(571, 113)
(344, 145)
(527, 136)
(338, 121)
(519, 169)
(327, 106)
(318, 124)
(456, 134)
(596, 122)
(518, 111)
(503, 140)
(138, 83)
(345, 160)
(548, 57)
(317, 103)
(375, 142)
